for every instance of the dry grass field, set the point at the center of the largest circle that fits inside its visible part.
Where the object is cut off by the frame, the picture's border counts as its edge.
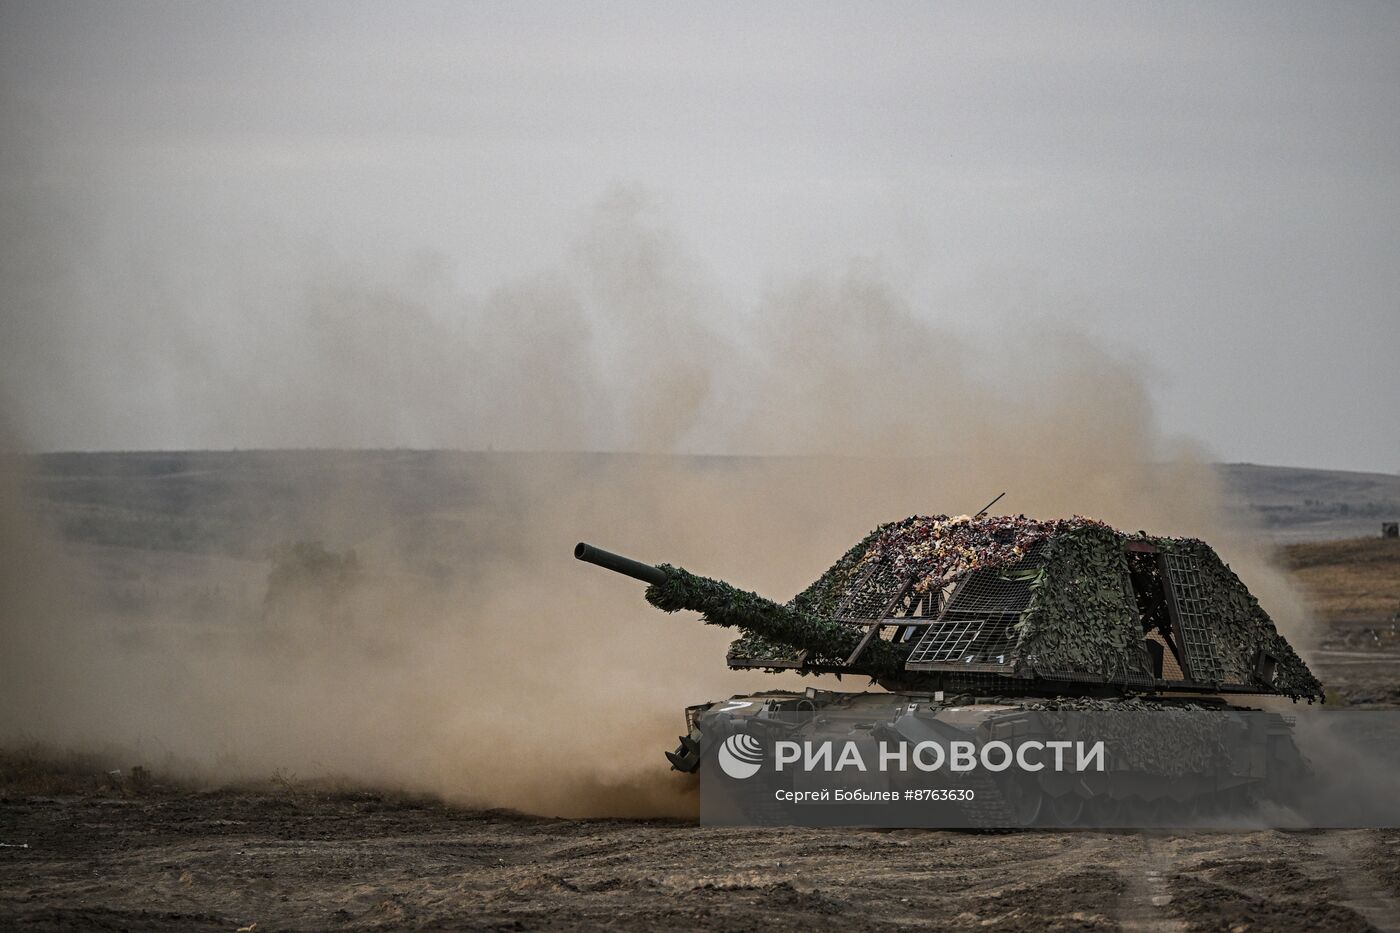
(1348, 580)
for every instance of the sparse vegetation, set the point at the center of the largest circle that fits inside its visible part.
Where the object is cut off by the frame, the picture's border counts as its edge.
(306, 576)
(1358, 579)
(31, 769)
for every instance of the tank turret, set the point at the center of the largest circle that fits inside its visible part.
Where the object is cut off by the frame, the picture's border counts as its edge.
(1008, 606)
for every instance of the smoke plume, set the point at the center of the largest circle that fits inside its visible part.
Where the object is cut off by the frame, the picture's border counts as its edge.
(760, 440)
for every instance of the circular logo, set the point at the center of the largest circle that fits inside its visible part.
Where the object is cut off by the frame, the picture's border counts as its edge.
(740, 756)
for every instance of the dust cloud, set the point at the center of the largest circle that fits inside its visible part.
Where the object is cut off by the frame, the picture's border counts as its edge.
(759, 443)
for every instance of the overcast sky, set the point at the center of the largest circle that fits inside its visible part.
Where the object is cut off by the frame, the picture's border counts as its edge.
(1211, 191)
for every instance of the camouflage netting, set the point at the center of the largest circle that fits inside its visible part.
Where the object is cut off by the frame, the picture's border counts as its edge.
(1178, 740)
(1082, 617)
(933, 550)
(770, 622)
(1241, 626)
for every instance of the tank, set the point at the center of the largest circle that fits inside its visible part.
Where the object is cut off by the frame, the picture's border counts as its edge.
(967, 623)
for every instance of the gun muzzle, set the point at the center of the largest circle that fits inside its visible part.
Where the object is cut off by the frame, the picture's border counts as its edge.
(619, 564)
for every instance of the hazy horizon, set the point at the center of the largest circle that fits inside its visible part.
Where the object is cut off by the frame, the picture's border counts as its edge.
(1164, 463)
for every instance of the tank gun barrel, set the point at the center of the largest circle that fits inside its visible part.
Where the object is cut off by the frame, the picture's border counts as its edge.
(619, 564)
(672, 589)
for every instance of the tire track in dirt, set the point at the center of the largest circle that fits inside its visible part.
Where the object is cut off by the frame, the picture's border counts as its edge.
(1143, 906)
(1347, 857)
(1259, 882)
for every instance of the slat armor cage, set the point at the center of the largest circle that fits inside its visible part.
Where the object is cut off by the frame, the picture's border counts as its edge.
(977, 623)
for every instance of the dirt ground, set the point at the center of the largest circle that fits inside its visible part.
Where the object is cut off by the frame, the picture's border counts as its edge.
(82, 849)
(227, 861)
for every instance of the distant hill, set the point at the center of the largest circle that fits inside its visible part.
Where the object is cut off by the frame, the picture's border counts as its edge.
(1312, 505)
(242, 503)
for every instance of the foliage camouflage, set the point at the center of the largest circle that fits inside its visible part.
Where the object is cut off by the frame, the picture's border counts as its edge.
(1176, 741)
(1082, 618)
(1242, 626)
(932, 550)
(831, 587)
(730, 607)
(1180, 741)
